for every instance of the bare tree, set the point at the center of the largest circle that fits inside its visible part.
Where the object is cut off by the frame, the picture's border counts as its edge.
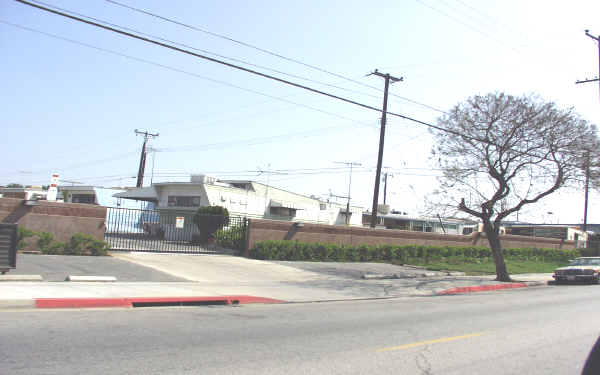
(499, 153)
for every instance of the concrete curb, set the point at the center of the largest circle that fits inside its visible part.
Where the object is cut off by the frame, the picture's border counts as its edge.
(375, 276)
(482, 288)
(61, 303)
(91, 278)
(17, 304)
(21, 278)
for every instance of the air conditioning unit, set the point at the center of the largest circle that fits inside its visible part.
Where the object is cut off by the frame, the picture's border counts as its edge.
(202, 179)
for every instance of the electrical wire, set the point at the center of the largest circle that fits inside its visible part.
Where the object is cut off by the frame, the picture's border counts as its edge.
(245, 69)
(187, 52)
(148, 40)
(296, 61)
(208, 52)
(467, 25)
(174, 69)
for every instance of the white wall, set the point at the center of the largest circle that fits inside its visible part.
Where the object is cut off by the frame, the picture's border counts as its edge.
(257, 203)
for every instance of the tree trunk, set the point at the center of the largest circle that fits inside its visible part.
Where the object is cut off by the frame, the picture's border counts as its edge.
(494, 241)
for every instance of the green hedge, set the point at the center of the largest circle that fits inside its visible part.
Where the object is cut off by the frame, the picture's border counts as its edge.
(293, 250)
(232, 238)
(80, 244)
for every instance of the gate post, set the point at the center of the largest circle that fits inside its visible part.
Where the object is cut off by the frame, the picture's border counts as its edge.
(246, 250)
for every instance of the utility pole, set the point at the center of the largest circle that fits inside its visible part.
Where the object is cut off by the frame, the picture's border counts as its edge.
(351, 164)
(597, 79)
(341, 197)
(587, 160)
(140, 176)
(387, 77)
(587, 186)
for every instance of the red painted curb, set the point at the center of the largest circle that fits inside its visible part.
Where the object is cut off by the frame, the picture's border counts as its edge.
(48, 303)
(481, 288)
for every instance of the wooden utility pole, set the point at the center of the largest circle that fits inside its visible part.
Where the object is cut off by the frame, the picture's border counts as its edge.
(587, 160)
(587, 188)
(142, 167)
(387, 77)
(350, 164)
(597, 79)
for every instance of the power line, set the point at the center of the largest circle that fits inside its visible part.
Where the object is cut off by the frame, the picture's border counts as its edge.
(195, 28)
(148, 40)
(177, 70)
(237, 67)
(253, 141)
(205, 51)
(466, 25)
(178, 49)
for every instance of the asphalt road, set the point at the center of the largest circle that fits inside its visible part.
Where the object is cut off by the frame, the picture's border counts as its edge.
(58, 267)
(546, 330)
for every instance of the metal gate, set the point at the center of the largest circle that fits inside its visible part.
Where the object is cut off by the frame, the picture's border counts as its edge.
(171, 231)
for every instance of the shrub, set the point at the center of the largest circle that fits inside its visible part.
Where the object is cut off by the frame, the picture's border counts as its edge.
(293, 250)
(209, 219)
(85, 244)
(44, 242)
(55, 248)
(232, 238)
(22, 234)
(80, 244)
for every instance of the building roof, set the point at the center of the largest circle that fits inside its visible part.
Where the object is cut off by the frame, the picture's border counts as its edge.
(142, 194)
(82, 187)
(21, 189)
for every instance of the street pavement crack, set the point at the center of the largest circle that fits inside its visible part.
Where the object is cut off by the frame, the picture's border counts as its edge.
(423, 362)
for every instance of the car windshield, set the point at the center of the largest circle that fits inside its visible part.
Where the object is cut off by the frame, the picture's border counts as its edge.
(585, 262)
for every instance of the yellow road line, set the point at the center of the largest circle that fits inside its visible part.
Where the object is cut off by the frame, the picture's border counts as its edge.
(436, 341)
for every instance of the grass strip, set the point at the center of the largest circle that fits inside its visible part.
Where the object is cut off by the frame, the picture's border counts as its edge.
(486, 266)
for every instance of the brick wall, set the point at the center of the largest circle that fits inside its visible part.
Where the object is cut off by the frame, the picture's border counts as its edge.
(61, 219)
(262, 230)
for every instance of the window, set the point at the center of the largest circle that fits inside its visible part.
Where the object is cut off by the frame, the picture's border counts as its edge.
(282, 211)
(418, 226)
(83, 198)
(322, 206)
(183, 201)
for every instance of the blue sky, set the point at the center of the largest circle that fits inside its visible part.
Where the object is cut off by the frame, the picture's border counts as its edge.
(72, 109)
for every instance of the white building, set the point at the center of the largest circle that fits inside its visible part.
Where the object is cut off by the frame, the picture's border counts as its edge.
(397, 220)
(99, 196)
(27, 193)
(244, 198)
(562, 232)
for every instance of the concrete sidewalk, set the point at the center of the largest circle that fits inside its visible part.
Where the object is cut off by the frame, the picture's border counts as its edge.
(217, 275)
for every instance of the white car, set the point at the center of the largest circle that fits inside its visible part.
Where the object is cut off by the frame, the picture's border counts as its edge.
(579, 269)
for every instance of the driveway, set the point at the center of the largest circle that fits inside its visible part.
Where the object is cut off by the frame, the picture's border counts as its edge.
(58, 267)
(356, 270)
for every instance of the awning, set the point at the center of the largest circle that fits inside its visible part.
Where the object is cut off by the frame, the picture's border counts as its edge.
(142, 194)
(284, 204)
